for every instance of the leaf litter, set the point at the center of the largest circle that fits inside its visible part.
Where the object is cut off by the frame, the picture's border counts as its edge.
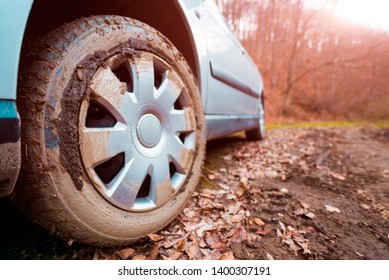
(250, 204)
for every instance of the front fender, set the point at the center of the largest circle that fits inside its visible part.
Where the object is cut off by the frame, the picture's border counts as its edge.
(13, 20)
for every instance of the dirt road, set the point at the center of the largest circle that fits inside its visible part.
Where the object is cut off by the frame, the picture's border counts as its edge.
(300, 194)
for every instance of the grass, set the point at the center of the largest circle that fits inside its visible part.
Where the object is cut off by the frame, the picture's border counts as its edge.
(380, 124)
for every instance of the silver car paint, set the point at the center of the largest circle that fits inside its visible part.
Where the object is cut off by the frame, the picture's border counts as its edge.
(13, 16)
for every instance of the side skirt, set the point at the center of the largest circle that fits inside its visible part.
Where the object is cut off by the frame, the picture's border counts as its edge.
(222, 125)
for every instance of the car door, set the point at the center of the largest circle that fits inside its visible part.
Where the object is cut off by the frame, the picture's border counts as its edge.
(234, 82)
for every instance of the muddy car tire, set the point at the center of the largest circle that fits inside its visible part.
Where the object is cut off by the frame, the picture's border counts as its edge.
(113, 131)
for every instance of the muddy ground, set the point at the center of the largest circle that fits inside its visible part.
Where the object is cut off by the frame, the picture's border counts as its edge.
(318, 193)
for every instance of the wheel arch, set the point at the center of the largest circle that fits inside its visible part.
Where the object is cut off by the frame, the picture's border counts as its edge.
(169, 19)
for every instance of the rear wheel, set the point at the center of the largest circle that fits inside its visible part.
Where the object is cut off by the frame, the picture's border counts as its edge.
(115, 139)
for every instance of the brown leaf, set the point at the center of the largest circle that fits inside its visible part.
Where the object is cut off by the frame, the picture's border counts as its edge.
(125, 253)
(207, 195)
(194, 252)
(155, 237)
(304, 246)
(205, 252)
(300, 212)
(170, 243)
(214, 255)
(239, 236)
(228, 256)
(139, 258)
(310, 230)
(202, 227)
(269, 257)
(211, 239)
(359, 254)
(181, 245)
(224, 187)
(282, 225)
(292, 245)
(259, 222)
(304, 205)
(190, 214)
(233, 208)
(365, 206)
(298, 237)
(244, 182)
(238, 191)
(264, 231)
(332, 209)
(310, 215)
(154, 253)
(338, 176)
(172, 255)
(202, 243)
(284, 190)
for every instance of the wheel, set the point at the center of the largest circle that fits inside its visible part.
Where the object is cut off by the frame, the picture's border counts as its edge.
(113, 131)
(259, 132)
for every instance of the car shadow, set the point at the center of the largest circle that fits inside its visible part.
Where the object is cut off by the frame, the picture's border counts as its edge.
(20, 239)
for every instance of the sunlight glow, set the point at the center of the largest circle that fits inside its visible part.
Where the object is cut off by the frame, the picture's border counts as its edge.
(373, 13)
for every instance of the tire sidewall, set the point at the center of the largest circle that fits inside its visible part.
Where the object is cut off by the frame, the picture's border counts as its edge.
(97, 219)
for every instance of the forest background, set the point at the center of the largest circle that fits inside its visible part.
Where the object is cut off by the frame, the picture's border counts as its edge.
(315, 65)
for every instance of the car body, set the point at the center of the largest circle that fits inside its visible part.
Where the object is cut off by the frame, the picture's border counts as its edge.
(229, 83)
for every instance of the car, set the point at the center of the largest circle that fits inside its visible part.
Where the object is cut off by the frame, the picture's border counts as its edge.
(116, 102)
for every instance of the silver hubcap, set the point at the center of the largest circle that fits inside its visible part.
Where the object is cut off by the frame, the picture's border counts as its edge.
(137, 132)
(149, 130)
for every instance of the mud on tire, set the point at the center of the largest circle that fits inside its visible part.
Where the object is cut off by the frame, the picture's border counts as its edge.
(58, 95)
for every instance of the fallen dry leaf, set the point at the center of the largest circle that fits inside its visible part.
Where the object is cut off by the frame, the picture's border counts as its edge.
(170, 243)
(181, 245)
(194, 252)
(213, 240)
(282, 225)
(338, 176)
(264, 231)
(228, 256)
(292, 245)
(300, 212)
(125, 253)
(359, 254)
(239, 236)
(310, 215)
(304, 205)
(154, 253)
(156, 237)
(269, 257)
(284, 190)
(244, 183)
(139, 258)
(259, 222)
(214, 255)
(304, 246)
(224, 187)
(332, 209)
(310, 230)
(365, 206)
(172, 255)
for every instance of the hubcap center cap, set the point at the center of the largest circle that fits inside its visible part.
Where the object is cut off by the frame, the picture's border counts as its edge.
(149, 130)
